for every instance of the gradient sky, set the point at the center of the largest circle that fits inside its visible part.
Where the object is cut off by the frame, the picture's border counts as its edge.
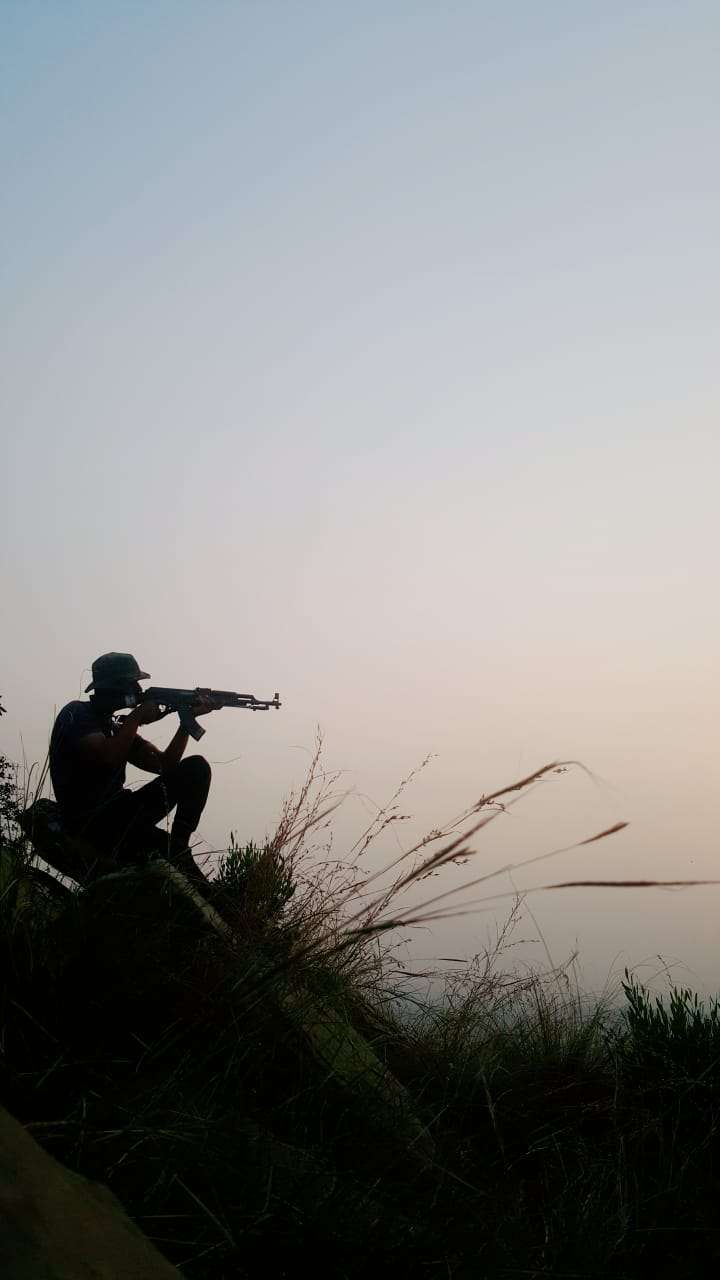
(370, 352)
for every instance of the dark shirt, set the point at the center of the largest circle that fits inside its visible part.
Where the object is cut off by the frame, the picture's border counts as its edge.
(81, 785)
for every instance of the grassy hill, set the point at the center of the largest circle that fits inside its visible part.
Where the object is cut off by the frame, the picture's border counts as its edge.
(245, 1070)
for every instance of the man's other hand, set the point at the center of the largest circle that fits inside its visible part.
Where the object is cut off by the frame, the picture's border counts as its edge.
(203, 705)
(147, 713)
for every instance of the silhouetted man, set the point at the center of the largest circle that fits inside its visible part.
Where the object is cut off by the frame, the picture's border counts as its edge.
(89, 751)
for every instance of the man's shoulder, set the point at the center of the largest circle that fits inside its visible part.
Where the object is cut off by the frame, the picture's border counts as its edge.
(76, 716)
(76, 710)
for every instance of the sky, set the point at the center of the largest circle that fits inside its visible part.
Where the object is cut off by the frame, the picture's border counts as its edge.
(368, 352)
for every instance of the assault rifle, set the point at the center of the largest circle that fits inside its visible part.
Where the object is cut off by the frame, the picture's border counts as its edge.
(183, 700)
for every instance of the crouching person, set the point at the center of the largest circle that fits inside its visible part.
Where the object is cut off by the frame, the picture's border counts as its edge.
(89, 750)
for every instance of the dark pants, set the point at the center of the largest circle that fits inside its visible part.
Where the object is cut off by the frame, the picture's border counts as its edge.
(125, 826)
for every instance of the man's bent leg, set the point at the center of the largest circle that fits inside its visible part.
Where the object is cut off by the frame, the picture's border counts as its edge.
(186, 786)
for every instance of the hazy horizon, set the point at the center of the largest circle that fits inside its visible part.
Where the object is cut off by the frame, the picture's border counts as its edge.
(369, 353)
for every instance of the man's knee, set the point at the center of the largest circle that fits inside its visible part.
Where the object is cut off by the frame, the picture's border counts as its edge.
(196, 767)
(194, 772)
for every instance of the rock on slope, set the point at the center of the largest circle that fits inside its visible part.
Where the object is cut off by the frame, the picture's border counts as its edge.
(55, 1225)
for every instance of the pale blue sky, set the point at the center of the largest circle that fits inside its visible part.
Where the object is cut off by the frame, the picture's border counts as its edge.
(369, 351)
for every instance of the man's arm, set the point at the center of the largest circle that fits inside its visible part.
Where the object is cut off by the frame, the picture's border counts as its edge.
(115, 751)
(145, 755)
(173, 752)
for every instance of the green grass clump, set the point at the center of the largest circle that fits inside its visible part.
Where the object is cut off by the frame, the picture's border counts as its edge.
(676, 1039)
(258, 875)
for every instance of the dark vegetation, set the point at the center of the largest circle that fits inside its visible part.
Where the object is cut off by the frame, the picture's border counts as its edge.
(534, 1135)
